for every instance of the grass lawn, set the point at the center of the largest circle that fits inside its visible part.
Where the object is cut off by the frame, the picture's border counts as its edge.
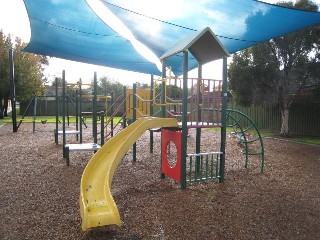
(48, 119)
(264, 133)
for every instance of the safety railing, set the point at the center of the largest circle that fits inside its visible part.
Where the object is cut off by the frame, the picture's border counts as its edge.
(203, 166)
(203, 102)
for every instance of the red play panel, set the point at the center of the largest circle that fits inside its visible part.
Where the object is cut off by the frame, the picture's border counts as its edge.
(168, 138)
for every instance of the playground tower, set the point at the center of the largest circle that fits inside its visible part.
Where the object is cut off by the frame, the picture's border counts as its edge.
(205, 47)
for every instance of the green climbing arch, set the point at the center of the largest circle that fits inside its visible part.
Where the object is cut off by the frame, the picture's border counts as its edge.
(246, 132)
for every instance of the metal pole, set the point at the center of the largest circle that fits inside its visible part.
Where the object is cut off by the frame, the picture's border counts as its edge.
(34, 113)
(223, 120)
(111, 112)
(184, 121)
(162, 101)
(77, 112)
(94, 109)
(57, 113)
(80, 109)
(13, 92)
(102, 127)
(199, 110)
(163, 88)
(64, 113)
(151, 113)
(124, 117)
(134, 118)
(175, 93)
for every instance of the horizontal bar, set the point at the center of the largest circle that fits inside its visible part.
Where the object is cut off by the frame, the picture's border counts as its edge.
(202, 179)
(204, 154)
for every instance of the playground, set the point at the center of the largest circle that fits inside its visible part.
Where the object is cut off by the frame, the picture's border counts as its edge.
(179, 164)
(40, 195)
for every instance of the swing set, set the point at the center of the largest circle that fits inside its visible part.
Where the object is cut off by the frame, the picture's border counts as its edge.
(35, 105)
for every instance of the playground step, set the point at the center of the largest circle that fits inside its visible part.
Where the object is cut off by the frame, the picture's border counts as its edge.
(78, 147)
(155, 129)
(83, 147)
(67, 132)
(60, 132)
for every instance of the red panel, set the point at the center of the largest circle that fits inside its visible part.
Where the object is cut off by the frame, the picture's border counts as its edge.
(174, 137)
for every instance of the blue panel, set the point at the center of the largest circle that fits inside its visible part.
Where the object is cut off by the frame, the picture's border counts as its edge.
(71, 30)
(238, 24)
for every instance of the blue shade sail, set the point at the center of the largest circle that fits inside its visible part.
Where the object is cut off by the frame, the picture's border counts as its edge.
(238, 24)
(71, 30)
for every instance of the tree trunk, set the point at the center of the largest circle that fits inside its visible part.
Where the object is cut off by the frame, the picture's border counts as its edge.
(285, 121)
(1, 109)
(5, 107)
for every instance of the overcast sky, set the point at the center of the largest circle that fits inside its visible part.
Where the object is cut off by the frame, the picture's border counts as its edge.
(14, 21)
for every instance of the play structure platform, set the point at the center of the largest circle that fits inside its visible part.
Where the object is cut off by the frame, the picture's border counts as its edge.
(202, 105)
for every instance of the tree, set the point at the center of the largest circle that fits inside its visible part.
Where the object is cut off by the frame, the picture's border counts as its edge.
(5, 45)
(28, 71)
(106, 86)
(142, 85)
(279, 69)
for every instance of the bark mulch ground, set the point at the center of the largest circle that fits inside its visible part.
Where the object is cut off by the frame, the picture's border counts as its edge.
(39, 193)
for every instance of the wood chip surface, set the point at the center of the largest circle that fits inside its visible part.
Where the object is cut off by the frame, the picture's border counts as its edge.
(39, 193)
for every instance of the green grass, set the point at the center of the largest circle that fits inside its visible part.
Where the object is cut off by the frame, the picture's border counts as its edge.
(264, 133)
(309, 140)
(48, 119)
(5, 120)
(267, 133)
(301, 139)
(294, 138)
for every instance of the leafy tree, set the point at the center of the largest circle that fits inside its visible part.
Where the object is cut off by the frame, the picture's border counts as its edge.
(279, 69)
(172, 91)
(28, 69)
(106, 86)
(5, 45)
(28, 72)
(253, 75)
(143, 85)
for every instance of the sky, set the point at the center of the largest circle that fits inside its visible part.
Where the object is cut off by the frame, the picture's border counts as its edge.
(14, 20)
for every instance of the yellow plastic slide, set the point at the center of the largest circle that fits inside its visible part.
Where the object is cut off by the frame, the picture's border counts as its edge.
(97, 206)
